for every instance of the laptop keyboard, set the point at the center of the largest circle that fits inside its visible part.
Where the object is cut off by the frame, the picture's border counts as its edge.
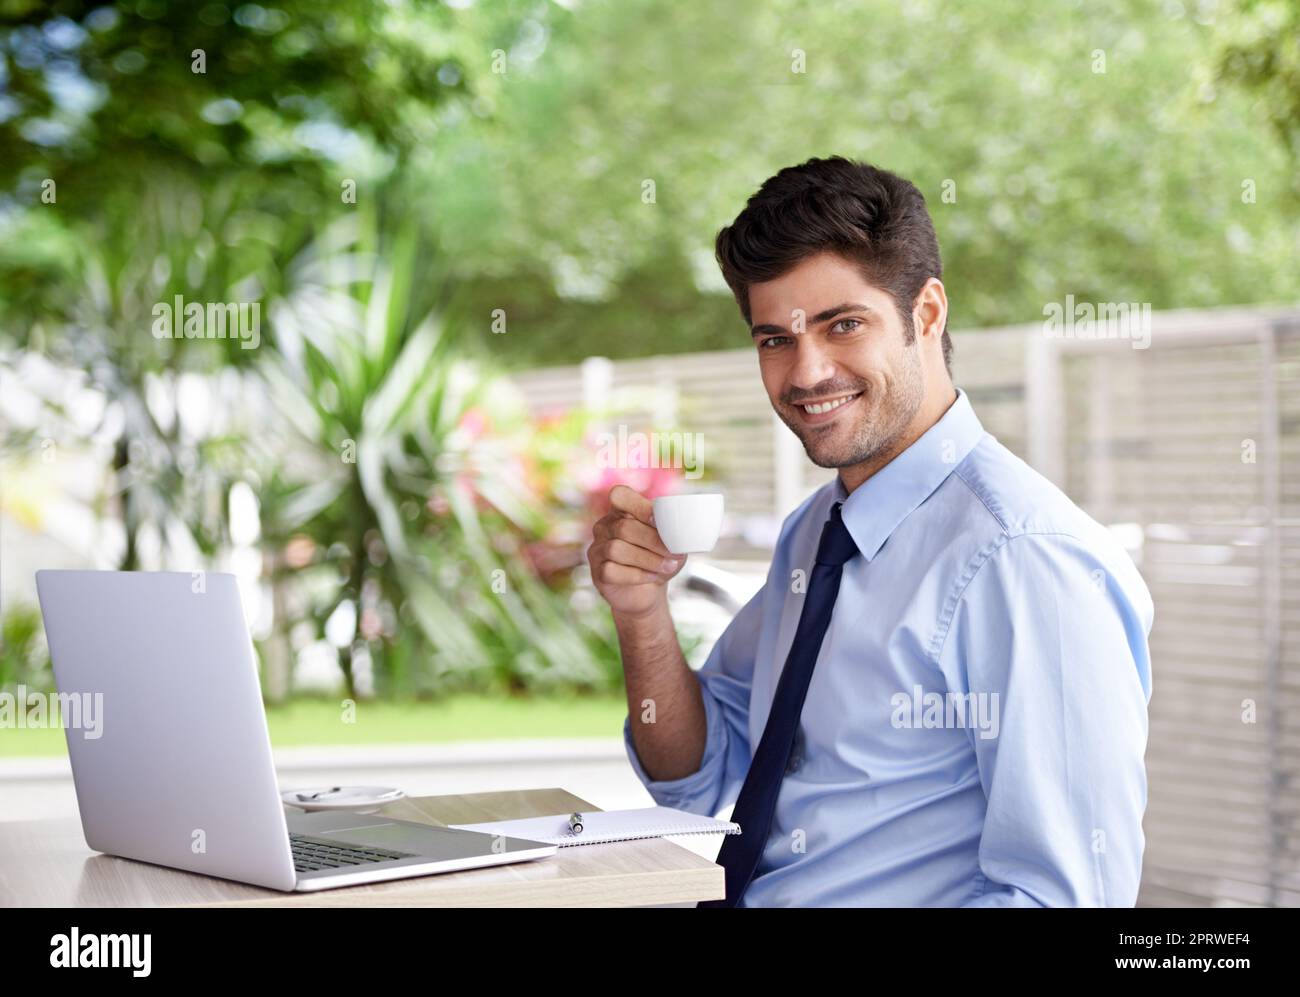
(314, 854)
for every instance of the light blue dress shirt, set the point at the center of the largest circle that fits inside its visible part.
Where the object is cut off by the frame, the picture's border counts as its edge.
(974, 731)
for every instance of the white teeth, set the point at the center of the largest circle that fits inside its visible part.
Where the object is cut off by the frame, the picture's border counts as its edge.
(829, 406)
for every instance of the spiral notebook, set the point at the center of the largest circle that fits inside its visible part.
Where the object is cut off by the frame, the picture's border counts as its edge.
(600, 826)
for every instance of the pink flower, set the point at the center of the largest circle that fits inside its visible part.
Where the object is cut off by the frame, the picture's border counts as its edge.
(651, 482)
(474, 423)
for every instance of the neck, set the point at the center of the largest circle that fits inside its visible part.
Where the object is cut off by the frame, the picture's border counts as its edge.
(931, 410)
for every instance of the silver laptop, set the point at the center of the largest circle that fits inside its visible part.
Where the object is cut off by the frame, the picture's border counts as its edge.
(170, 752)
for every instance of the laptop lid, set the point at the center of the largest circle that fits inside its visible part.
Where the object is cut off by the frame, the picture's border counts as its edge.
(179, 770)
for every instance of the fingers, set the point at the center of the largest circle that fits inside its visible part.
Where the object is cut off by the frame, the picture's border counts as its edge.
(613, 573)
(622, 552)
(627, 548)
(624, 499)
(624, 527)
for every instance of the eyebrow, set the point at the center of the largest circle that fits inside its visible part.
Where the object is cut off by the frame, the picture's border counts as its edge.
(820, 317)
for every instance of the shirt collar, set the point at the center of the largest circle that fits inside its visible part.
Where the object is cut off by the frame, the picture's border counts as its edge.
(889, 496)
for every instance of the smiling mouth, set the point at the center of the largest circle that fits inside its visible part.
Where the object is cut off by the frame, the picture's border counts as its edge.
(828, 405)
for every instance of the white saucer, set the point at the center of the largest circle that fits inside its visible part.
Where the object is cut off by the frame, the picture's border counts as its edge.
(358, 799)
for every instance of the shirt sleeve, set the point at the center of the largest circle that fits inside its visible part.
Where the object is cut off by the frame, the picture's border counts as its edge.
(1057, 642)
(725, 680)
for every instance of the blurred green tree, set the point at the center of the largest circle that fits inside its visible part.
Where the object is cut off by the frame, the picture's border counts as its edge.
(216, 152)
(1261, 54)
(159, 148)
(1063, 148)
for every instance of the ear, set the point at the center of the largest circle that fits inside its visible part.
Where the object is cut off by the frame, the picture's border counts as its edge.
(930, 315)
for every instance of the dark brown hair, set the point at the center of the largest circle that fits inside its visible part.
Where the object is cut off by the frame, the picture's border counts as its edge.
(867, 215)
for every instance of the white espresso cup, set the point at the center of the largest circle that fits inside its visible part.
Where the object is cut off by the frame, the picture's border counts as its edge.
(689, 524)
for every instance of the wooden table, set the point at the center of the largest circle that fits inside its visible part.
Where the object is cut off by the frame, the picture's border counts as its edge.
(47, 864)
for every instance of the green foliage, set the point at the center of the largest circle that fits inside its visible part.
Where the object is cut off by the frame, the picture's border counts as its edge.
(420, 523)
(1122, 185)
(1261, 54)
(193, 150)
(24, 659)
(239, 124)
(159, 149)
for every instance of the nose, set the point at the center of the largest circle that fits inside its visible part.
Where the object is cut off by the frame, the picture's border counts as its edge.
(813, 363)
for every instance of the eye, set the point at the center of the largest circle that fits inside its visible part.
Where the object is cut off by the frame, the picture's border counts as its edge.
(771, 342)
(846, 325)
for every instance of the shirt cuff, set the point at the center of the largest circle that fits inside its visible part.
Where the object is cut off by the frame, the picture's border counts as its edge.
(698, 791)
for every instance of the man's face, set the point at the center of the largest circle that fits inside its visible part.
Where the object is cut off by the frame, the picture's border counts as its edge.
(834, 362)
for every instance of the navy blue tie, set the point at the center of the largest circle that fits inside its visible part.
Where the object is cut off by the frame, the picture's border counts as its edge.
(756, 803)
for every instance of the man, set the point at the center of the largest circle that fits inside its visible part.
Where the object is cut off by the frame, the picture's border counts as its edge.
(938, 697)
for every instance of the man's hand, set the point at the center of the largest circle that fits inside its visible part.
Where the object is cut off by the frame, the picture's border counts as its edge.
(629, 563)
(631, 568)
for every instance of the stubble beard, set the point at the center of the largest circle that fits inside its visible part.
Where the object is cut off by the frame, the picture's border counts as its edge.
(877, 428)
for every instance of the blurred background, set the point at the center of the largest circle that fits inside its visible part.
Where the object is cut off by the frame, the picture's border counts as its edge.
(470, 244)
